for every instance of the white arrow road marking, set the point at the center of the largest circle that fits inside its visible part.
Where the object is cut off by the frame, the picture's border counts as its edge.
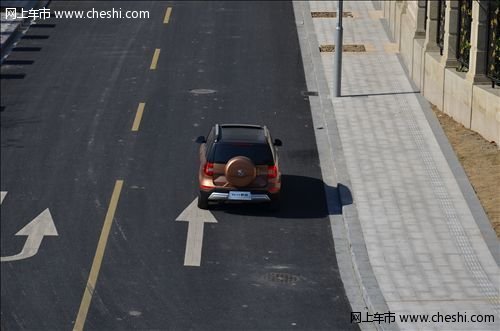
(197, 218)
(41, 226)
(2, 196)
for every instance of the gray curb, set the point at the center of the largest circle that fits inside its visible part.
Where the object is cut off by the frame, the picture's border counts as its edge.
(359, 261)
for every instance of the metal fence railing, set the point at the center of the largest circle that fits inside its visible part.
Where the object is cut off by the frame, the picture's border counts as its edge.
(464, 28)
(493, 44)
(426, 4)
(440, 25)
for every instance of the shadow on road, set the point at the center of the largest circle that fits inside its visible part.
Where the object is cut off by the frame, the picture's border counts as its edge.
(301, 197)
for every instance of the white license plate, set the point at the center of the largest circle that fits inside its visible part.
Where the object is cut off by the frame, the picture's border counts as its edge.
(240, 195)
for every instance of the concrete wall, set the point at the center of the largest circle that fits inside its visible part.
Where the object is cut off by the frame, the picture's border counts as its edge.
(417, 72)
(486, 111)
(457, 96)
(392, 15)
(397, 24)
(433, 79)
(407, 33)
(475, 106)
(386, 8)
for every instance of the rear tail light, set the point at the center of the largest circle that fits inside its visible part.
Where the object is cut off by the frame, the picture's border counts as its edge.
(274, 189)
(208, 169)
(272, 171)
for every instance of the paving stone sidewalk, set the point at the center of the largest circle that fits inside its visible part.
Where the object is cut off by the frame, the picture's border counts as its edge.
(425, 247)
(8, 27)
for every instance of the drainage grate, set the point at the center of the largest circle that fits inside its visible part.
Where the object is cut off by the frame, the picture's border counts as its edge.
(309, 93)
(282, 278)
(345, 48)
(329, 14)
(199, 91)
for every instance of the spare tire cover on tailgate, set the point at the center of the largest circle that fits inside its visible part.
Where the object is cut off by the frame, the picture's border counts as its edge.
(240, 171)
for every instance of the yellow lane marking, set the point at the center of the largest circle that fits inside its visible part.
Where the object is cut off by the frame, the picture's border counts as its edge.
(167, 15)
(138, 116)
(154, 62)
(99, 254)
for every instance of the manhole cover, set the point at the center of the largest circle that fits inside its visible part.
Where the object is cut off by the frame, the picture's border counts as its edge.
(329, 14)
(135, 313)
(282, 278)
(345, 48)
(202, 91)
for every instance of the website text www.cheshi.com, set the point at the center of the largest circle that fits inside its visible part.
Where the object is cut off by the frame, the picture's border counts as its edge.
(46, 13)
(391, 317)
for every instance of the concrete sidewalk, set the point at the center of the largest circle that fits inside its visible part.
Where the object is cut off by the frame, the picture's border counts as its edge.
(430, 248)
(12, 29)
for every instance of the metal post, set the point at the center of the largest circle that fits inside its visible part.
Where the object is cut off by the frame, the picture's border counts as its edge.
(337, 63)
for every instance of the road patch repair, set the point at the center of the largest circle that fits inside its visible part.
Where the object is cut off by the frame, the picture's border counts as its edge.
(345, 48)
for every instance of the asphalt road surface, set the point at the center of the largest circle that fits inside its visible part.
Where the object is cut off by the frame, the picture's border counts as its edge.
(72, 133)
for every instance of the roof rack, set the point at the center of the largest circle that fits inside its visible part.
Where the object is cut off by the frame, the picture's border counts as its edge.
(241, 126)
(217, 132)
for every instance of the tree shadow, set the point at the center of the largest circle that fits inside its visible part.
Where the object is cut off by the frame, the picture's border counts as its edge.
(11, 122)
(301, 197)
(18, 62)
(12, 76)
(26, 49)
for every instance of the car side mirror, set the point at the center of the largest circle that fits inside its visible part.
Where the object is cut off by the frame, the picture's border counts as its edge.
(277, 142)
(201, 140)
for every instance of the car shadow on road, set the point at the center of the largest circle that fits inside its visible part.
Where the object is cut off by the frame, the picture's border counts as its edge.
(301, 197)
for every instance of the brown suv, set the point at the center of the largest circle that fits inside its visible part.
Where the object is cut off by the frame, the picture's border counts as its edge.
(239, 163)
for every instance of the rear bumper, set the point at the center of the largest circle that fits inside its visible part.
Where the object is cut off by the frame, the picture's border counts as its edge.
(224, 196)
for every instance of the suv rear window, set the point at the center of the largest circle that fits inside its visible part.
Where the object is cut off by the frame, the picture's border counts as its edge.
(259, 153)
